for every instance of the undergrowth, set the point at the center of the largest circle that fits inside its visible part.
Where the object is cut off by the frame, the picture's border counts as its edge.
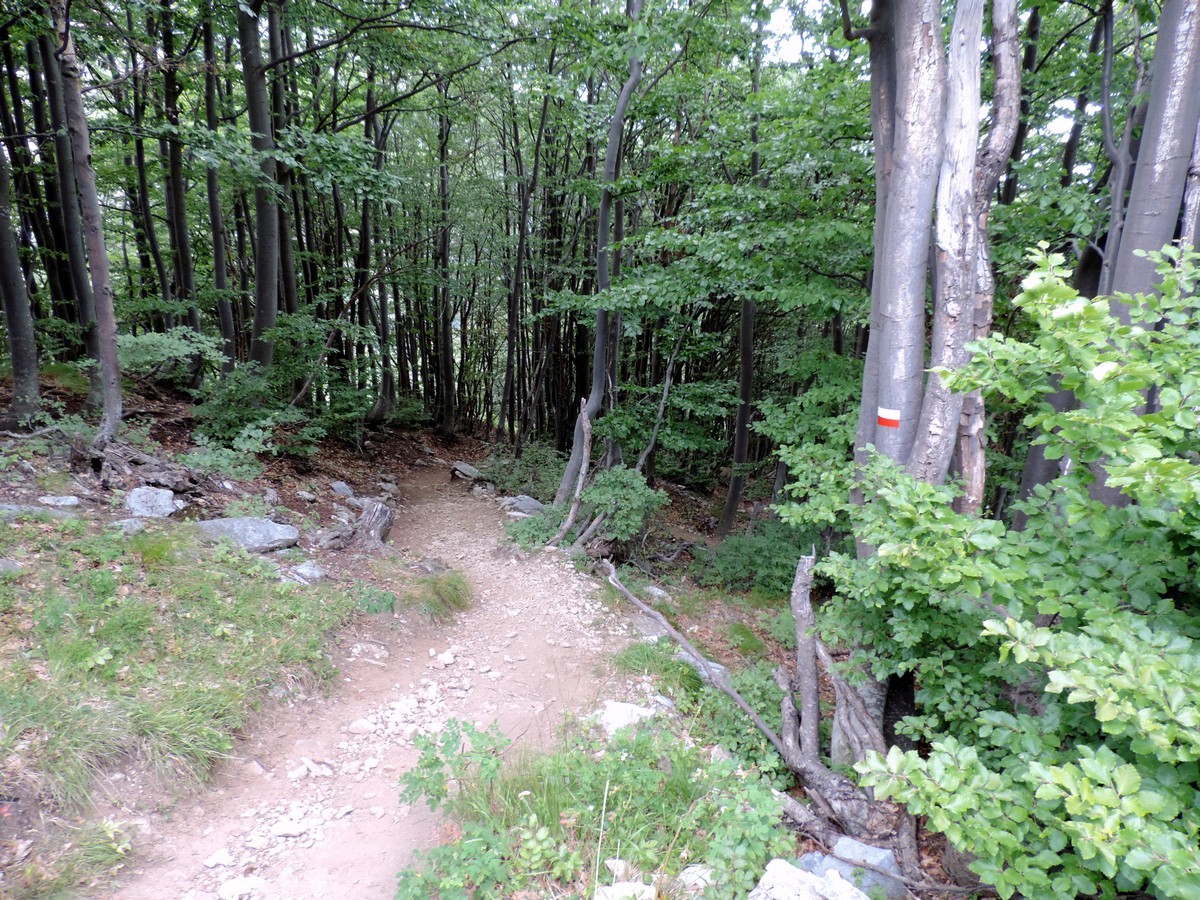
(147, 651)
(545, 823)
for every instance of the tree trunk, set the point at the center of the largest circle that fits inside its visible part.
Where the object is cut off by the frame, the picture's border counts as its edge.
(603, 234)
(446, 423)
(266, 208)
(93, 228)
(17, 316)
(216, 217)
(1172, 114)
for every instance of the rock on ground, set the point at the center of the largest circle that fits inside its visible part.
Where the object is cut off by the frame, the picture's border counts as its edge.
(64, 502)
(847, 852)
(152, 503)
(783, 881)
(467, 471)
(249, 533)
(521, 506)
(614, 715)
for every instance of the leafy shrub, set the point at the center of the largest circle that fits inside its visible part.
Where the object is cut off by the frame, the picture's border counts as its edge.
(172, 355)
(541, 823)
(762, 560)
(537, 472)
(725, 724)
(627, 501)
(1059, 665)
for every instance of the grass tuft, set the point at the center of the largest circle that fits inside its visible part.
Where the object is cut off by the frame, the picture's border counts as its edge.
(441, 597)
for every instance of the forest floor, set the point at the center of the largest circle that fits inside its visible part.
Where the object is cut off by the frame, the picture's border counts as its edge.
(307, 805)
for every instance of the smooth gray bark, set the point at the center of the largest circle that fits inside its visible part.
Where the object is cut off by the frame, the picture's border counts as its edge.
(1172, 114)
(18, 318)
(266, 209)
(93, 230)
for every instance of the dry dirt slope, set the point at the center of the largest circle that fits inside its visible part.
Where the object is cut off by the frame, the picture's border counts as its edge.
(308, 807)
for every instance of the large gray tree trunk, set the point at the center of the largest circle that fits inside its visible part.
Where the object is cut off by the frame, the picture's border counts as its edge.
(93, 230)
(266, 208)
(1169, 134)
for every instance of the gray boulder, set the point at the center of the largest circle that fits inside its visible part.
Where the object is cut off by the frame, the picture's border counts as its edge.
(249, 533)
(341, 489)
(308, 572)
(59, 502)
(521, 506)
(721, 672)
(10, 511)
(152, 503)
(466, 470)
(846, 853)
(129, 527)
(10, 566)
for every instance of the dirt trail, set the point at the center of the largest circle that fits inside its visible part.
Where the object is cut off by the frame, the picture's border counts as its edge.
(308, 808)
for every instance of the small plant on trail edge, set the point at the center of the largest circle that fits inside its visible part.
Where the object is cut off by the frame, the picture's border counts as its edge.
(143, 650)
(535, 824)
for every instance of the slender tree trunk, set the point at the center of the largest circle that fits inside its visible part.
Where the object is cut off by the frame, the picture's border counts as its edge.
(603, 234)
(17, 315)
(1172, 115)
(216, 217)
(446, 424)
(176, 191)
(93, 227)
(69, 193)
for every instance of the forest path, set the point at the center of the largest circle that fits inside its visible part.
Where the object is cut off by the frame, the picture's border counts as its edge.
(307, 807)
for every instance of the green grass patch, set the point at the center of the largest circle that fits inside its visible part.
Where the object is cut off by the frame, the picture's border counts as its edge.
(148, 651)
(544, 824)
(441, 597)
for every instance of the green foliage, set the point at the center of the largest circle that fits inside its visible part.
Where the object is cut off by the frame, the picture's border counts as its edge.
(173, 355)
(536, 823)
(815, 431)
(537, 472)
(536, 530)
(1058, 666)
(725, 724)
(761, 560)
(626, 501)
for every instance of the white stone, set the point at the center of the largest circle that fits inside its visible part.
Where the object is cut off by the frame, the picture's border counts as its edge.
(289, 828)
(625, 890)
(361, 726)
(241, 888)
(783, 881)
(221, 858)
(614, 716)
(445, 659)
(59, 502)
